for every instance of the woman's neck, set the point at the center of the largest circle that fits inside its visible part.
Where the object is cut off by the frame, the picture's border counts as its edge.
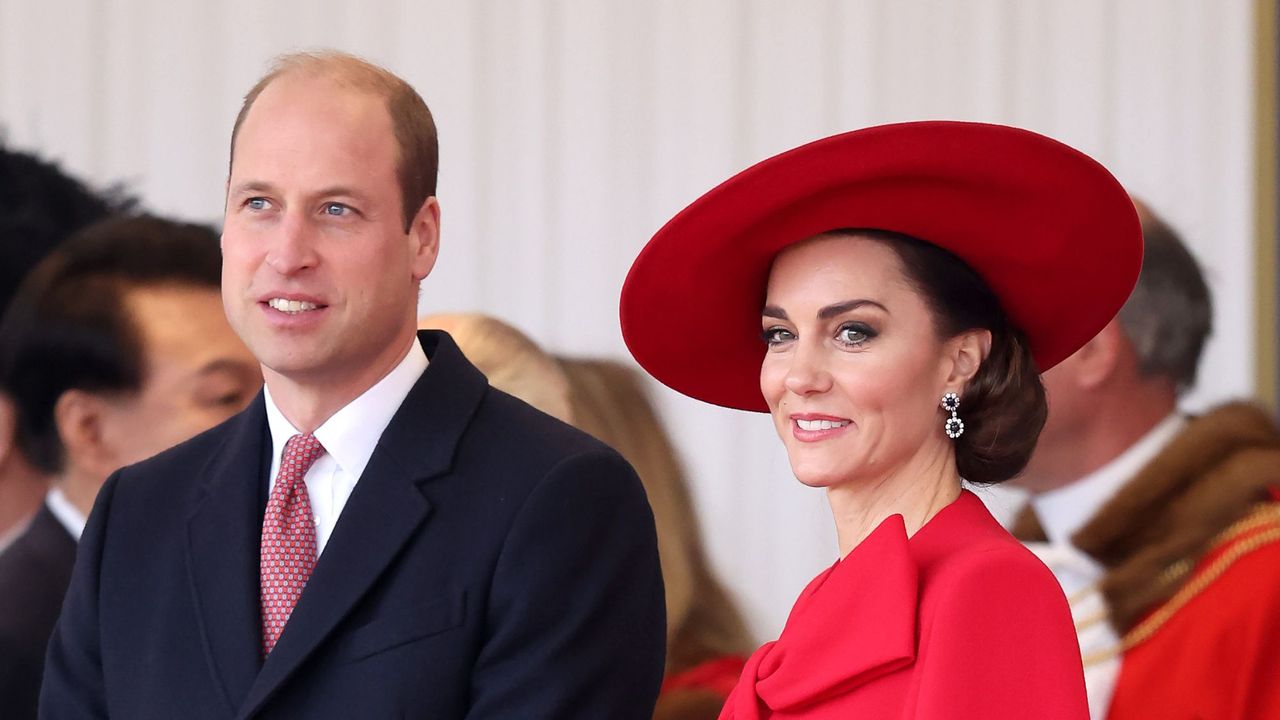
(916, 490)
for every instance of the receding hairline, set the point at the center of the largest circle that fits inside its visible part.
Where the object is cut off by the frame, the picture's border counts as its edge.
(342, 69)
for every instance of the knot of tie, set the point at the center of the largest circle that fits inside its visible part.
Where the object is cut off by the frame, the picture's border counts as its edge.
(300, 453)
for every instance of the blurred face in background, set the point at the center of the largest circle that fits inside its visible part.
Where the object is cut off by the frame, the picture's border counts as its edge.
(196, 374)
(854, 368)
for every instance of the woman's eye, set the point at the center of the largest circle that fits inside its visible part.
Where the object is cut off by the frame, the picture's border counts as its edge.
(854, 333)
(776, 335)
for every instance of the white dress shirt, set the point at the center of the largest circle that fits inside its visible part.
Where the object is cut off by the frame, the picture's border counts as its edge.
(349, 437)
(1065, 510)
(1062, 513)
(66, 513)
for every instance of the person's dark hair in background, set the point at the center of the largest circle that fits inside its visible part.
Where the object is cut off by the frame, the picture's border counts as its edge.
(74, 330)
(1169, 316)
(40, 206)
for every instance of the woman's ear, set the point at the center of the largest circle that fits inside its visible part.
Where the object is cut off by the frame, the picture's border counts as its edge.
(966, 352)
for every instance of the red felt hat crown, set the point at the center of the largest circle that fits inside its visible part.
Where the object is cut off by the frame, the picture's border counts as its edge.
(1051, 232)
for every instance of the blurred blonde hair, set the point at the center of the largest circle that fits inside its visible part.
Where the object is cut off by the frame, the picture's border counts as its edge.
(608, 400)
(513, 363)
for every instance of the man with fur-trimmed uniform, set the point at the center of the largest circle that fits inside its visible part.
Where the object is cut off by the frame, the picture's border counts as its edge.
(1164, 530)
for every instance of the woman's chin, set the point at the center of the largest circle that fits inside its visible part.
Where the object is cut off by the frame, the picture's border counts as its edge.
(820, 477)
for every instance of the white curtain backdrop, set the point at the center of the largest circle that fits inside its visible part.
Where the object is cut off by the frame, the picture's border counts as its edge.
(572, 129)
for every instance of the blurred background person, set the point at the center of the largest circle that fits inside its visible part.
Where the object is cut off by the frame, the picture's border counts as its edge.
(1164, 530)
(510, 359)
(39, 207)
(115, 348)
(707, 640)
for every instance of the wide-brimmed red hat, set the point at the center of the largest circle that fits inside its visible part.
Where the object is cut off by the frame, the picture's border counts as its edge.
(1048, 228)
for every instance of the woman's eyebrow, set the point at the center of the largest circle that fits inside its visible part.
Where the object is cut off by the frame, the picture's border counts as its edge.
(775, 312)
(841, 308)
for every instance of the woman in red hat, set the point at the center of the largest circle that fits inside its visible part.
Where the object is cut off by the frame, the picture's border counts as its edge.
(890, 296)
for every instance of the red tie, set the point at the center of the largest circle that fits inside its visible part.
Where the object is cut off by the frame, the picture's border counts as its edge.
(288, 538)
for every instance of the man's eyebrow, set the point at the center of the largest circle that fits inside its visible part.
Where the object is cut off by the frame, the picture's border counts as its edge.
(339, 190)
(841, 308)
(252, 186)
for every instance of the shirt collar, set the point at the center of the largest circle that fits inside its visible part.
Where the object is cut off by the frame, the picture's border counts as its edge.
(350, 435)
(1063, 511)
(66, 513)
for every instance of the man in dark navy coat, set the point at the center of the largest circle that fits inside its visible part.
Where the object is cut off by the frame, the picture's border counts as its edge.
(380, 534)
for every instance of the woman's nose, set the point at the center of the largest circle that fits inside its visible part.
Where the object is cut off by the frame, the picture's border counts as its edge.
(807, 373)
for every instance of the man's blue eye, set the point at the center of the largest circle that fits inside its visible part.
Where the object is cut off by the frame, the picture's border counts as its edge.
(335, 209)
(257, 203)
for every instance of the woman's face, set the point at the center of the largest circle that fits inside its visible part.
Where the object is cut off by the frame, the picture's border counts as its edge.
(855, 370)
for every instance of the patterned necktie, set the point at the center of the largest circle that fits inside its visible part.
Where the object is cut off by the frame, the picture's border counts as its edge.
(288, 538)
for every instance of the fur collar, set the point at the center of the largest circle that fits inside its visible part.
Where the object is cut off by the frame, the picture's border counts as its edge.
(1163, 521)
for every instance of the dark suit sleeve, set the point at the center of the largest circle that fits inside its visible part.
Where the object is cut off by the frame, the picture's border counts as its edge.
(576, 624)
(73, 686)
(19, 675)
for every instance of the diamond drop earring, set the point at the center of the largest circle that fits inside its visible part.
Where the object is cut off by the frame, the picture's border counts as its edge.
(954, 426)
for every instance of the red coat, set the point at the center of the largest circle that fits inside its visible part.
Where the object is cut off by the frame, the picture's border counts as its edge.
(1213, 650)
(958, 622)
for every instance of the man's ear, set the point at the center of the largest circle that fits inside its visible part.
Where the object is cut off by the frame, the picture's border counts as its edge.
(966, 352)
(79, 416)
(8, 428)
(424, 234)
(1098, 360)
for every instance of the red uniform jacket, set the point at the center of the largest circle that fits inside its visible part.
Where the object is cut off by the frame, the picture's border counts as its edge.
(959, 622)
(1212, 651)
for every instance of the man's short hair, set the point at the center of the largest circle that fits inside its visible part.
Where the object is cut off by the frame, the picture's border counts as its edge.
(418, 157)
(68, 327)
(1170, 313)
(40, 206)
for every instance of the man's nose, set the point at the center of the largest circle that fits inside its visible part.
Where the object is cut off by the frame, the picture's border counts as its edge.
(292, 247)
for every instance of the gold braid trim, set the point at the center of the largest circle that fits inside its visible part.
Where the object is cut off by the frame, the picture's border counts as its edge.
(1262, 525)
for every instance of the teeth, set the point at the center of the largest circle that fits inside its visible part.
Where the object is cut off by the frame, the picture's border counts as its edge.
(821, 424)
(291, 306)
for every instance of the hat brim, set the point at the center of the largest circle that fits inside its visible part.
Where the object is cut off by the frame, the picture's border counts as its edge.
(1049, 229)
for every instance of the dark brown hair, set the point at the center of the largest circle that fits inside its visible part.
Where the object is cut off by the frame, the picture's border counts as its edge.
(69, 326)
(418, 161)
(1003, 406)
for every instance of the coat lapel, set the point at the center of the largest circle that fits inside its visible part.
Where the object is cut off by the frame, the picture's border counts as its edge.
(222, 554)
(384, 512)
